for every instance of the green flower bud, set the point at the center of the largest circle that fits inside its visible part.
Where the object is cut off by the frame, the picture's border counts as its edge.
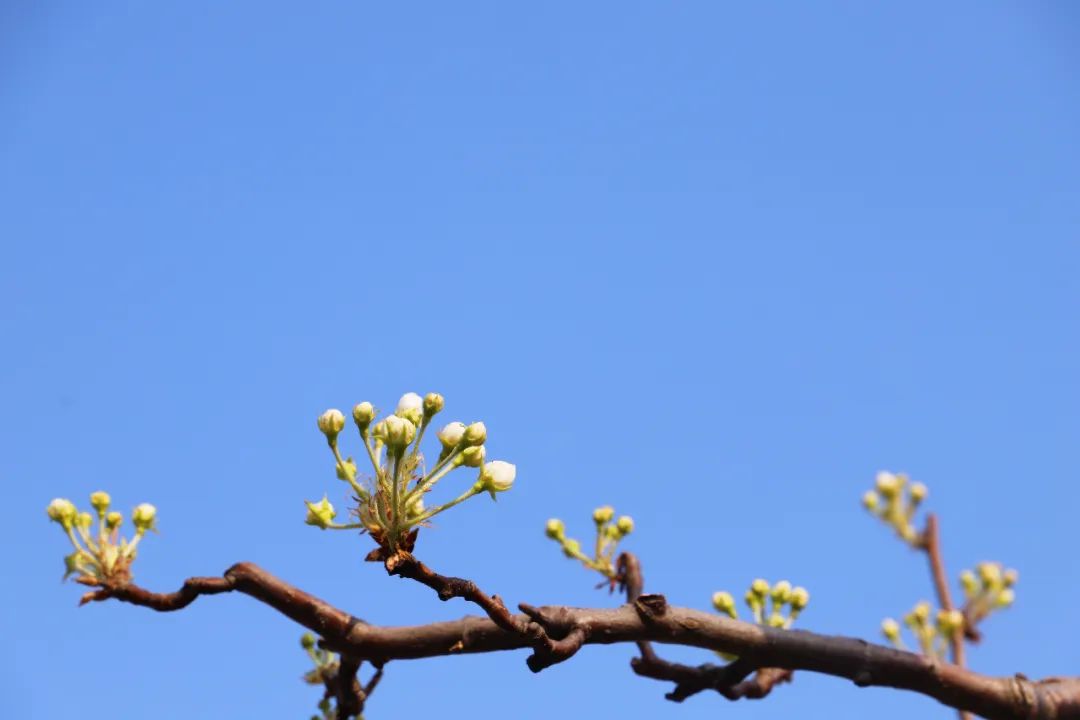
(143, 517)
(1010, 577)
(378, 431)
(100, 502)
(411, 408)
(781, 592)
(890, 629)
(113, 520)
(800, 598)
(625, 525)
(433, 404)
(62, 510)
(723, 602)
(603, 514)
(473, 456)
(776, 620)
(921, 613)
(73, 564)
(320, 514)
(475, 434)
(497, 476)
(362, 414)
(969, 583)
(990, 574)
(571, 548)
(1005, 598)
(870, 500)
(555, 529)
(84, 520)
(949, 621)
(331, 423)
(347, 470)
(760, 588)
(307, 641)
(918, 492)
(399, 432)
(888, 484)
(452, 434)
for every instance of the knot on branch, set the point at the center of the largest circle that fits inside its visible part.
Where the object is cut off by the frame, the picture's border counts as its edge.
(651, 607)
(555, 635)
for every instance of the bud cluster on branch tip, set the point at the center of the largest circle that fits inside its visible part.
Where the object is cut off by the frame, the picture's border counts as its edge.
(100, 555)
(894, 500)
(776, 606)
(932, 630)
(609, 532)
(390, 497)
(325, 669)
(988, 588)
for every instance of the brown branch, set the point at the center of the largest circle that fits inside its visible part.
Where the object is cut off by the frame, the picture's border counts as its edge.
(648, 619)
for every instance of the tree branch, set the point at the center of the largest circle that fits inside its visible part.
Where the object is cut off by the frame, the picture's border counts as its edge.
(647, 619)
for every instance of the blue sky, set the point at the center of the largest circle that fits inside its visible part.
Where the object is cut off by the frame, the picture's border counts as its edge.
(715, 264)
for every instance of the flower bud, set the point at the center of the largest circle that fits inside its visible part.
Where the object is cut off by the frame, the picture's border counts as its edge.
(410, 407)
(100, 502)
(918, 492)
(331, 423)
(346, 470)
(320, 514)
(888, 484)
(73, 563)
(890, 629)
(571, 548)
(625, 525)
(723, 602)
(781, 592)
(307, 641)
(399, 432)
(475, 434)
(143, 517)
(800, 598)
(555, 529)
(921, 612)
(1010, 577)
(113, 520)
(62, 510)
(760, 588)
(990, 574)
(362, 414)
(870, 500)
(949, 621)
(776, 620)
(603, 514)
(1005, 598)
(378, 431)
(415, 506)
(473, 456)
(969, 583)
(433, 404)
(84, 520)
(497, 476)
(451, 435)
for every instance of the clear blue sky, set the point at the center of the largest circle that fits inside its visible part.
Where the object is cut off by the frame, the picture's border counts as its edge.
(715, 264)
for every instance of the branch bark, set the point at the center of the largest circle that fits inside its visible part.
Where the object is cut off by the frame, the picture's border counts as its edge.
(648, 619)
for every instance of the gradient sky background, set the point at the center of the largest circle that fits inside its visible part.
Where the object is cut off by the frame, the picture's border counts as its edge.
(715, 264)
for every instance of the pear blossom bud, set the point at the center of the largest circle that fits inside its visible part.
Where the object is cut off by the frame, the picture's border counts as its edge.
(433, 404)
(1005, 598)
(346, 470)
(473, 456)
(918, 493)
(320, 514)
(571, 548)
(776, 620)
(113, 520)
(753, 601)
(870, 500)
(451, 435)
(73, 563)
(760, 588)
(781, 592)
(378, 431)
(723, 602)
(555, 529)
(990, 574)
(307, 641)
(410, 407)
(475, 434)
(399, 432)
(331, 423)
(62, 510)
(497, 476)
(890, 629)
(603, 514)
(84, 520)
(1010, 577)
(949, 621)
(143, 517)
(362, 414)
(921, 612)
(800, 598)
(100, 502)
(888, 484)
(625, 525)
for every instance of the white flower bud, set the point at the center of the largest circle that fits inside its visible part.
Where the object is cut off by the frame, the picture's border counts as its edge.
(433, 403)
(451, 435)
(362, 414)
(497, 476)
(100, 502)
(888, 484)
(625, 525)
(113, 520)
(143, 517)
(890, 629)
(555, 529)
(399, 432)
(800, 598)
(331, 423)
(62, 510)
(603, 514)
(320, 514)
(410, 407)
(475, 434)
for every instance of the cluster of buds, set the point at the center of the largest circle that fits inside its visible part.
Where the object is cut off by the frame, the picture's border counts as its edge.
(609, 532)
(986, 589)
(100, 555)
(895, 500)
(325, 670)
(777, 606)
(932, 637)
(391, 504)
